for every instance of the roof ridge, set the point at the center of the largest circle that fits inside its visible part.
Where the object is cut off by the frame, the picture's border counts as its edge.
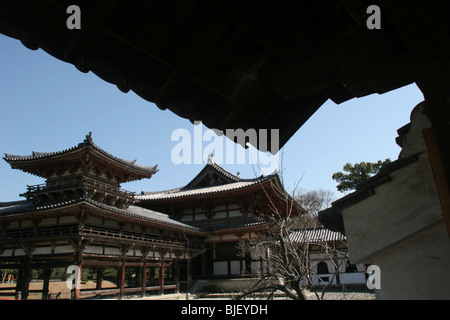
(218, 168)
(132, 163)
(88, 141)
(183, 192)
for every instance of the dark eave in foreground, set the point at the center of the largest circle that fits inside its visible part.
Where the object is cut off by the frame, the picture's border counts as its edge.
(241, 64)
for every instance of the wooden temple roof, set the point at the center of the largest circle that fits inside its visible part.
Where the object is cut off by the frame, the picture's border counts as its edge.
(19, 210)
(211, 180)
(214, 183)
(315, 235)
(204, 191)
(37, 160)
(241, 64)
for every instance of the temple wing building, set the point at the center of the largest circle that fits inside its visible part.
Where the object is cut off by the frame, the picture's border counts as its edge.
(82, 217)
(230, 209)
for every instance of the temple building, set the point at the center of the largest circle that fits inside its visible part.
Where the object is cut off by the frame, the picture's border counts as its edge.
(82, 217)
(230, 209)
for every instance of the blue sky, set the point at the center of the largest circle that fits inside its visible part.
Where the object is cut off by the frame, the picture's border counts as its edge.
(48, 105)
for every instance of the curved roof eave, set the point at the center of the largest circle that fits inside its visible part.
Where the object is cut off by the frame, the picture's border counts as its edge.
(88, 142)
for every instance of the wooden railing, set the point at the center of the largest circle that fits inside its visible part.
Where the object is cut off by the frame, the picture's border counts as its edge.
(116, 291)
(83, 182)
(86, 231)
(10, 291)
(124, 235)
(40, 233)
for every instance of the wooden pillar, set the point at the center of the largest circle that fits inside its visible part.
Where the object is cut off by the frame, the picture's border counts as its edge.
(143, 276)
(78, 245)
(76, 290)
(152, 275)
(204, 260)
(121, 276)
(435, 86)
(45, 287)
(99, 281)
(161, 273)
(177, 273)
(189, 273)
(24, 277)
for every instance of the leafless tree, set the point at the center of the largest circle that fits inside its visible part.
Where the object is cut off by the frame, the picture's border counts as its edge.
(313, 201)
(288, 267)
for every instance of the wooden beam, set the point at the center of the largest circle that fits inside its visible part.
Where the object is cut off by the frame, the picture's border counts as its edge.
(45, 286)
(204, 43)
(121, 275)
(76, 290)
(143, 276)
(99, 280)
(24, 277)
(439, 175)
(435, 86)
(177, 274)
(91, 24)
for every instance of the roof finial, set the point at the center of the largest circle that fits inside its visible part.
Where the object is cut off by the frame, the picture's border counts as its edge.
(210, 158)
(88, 137)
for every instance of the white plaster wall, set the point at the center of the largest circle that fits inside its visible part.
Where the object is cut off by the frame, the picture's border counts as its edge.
(417, 268)
(398, 209)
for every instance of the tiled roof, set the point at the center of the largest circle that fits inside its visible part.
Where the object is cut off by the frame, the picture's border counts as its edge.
(150, 215)
(230, 223)
(87, 142)
(212, 166)
(235, 183)
(18, 207)
(181, 192)
(15, 206)
(315, 235)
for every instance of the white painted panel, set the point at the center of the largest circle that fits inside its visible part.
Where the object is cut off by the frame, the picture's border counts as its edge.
(353, 278)
(114, 251)
(235, 267)
(220, 268)
(68, 219)
(109, 223)
(255, 254)
(93, 249)
(255, 267)
(220, 214)
(48, 222)
(229, 237)
(64, 249)
(200, 216)
(27, 224)
(14, 224)
(19, 252)
(234, 213)
(42, 250)
(6, 253)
